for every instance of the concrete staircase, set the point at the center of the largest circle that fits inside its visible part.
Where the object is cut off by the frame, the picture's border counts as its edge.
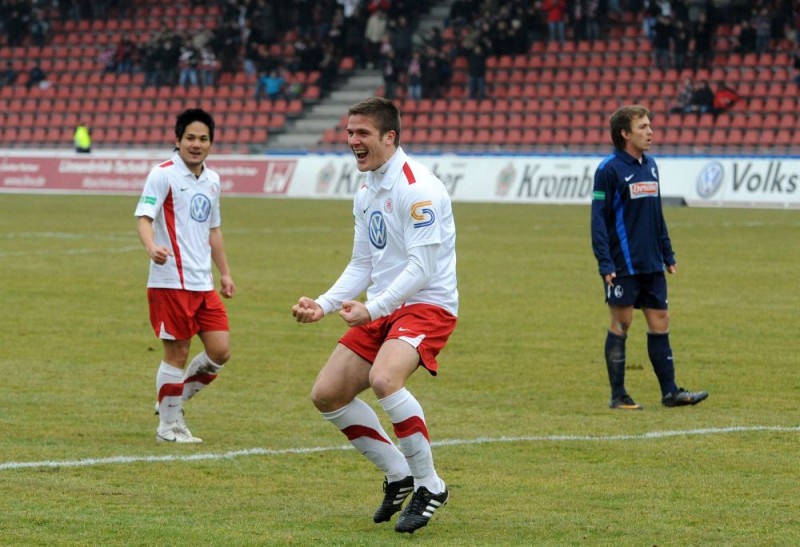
(305, 133)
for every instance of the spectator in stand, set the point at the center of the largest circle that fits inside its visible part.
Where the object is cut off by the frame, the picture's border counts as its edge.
(271, 85)
(724, 99)
(430, 75)
(402, 39)
(414, 74)
(208, 68)
(680, 45)
(310, 53)
(746, 38)
(445, 68)
(373, 34)
(9, 75)
(170, 54)
(703, 34)
(123, 56)
(263, 22)
(535, 23)
(328, 68)
(187, 63)
(40, 28)
(575, 20)
(353, 37)
(378, 5)
(702, 99)
(796, 64)
(684, 96)
(36, 76)
(17, 21)
(226, 43)
(761, 23)
(151, 64)
(662, 41)
(556, 19)
(391, 75)
(476, 73)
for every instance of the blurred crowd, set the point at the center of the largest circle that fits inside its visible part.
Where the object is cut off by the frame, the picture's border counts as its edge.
(271, 40)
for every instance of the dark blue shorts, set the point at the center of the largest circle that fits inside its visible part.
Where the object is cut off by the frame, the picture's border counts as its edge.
(640, 291)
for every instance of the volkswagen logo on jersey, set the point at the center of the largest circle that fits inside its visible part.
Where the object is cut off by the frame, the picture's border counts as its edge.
(709, 181)
(200, 208)
(377, 230)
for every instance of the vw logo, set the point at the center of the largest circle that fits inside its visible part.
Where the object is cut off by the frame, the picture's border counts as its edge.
(200, 208)
(709, 180)
(377, 230)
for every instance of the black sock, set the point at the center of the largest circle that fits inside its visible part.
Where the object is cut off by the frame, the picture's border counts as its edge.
(615, 363)
(660, 353)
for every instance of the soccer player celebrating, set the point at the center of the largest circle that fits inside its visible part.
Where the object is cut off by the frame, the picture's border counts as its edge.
(632, 248)
(404, 256)
(178, 222)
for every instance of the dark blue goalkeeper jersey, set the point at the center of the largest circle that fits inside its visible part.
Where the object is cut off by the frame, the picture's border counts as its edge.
(629, 234)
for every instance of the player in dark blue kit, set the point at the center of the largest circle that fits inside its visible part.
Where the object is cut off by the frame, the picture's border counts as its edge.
(632, 247)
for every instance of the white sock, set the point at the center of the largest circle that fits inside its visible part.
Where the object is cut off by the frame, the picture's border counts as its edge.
(361, 426)
(200, 372)
(412, 437)
(169, 388)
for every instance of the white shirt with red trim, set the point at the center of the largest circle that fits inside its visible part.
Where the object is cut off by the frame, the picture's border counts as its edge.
(404, 245)
(184, 208)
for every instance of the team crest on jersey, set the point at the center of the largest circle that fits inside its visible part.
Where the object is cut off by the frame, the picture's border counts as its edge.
(200, 208)
(422, 214)
(387, 206)
(377, 230)
(643, 189)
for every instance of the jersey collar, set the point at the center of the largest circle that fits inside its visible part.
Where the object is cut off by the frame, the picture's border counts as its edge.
(627, 158)
(181, 165)
(387, 173)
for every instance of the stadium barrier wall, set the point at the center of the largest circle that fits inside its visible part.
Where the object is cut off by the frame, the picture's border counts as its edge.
(729, 181)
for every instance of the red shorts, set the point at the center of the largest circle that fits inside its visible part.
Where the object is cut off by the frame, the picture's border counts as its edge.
(424, 326)
(178, 315)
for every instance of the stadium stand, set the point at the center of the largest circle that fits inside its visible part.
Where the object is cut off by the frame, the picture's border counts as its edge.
(121, 107)
(551, 97)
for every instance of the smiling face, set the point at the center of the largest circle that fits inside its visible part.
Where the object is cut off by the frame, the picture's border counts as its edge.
(370, 148)
(194, 146)
(640, 136)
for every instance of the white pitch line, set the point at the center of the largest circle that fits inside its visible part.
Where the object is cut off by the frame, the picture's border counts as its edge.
(88, 462)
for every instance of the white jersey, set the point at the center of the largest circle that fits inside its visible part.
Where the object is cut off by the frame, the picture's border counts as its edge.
(401, 206)
(184, 208)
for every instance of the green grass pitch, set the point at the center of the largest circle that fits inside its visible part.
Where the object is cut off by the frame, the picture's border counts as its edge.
(523, 436)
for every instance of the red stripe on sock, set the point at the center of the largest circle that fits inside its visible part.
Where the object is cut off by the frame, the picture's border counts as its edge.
(201, 378)
(353, 432)
(412, 425)
(170, 390)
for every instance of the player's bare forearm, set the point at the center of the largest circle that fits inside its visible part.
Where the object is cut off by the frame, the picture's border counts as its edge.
(146, 233)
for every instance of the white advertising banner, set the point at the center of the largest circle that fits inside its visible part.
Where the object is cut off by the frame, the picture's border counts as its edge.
(697, 181)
